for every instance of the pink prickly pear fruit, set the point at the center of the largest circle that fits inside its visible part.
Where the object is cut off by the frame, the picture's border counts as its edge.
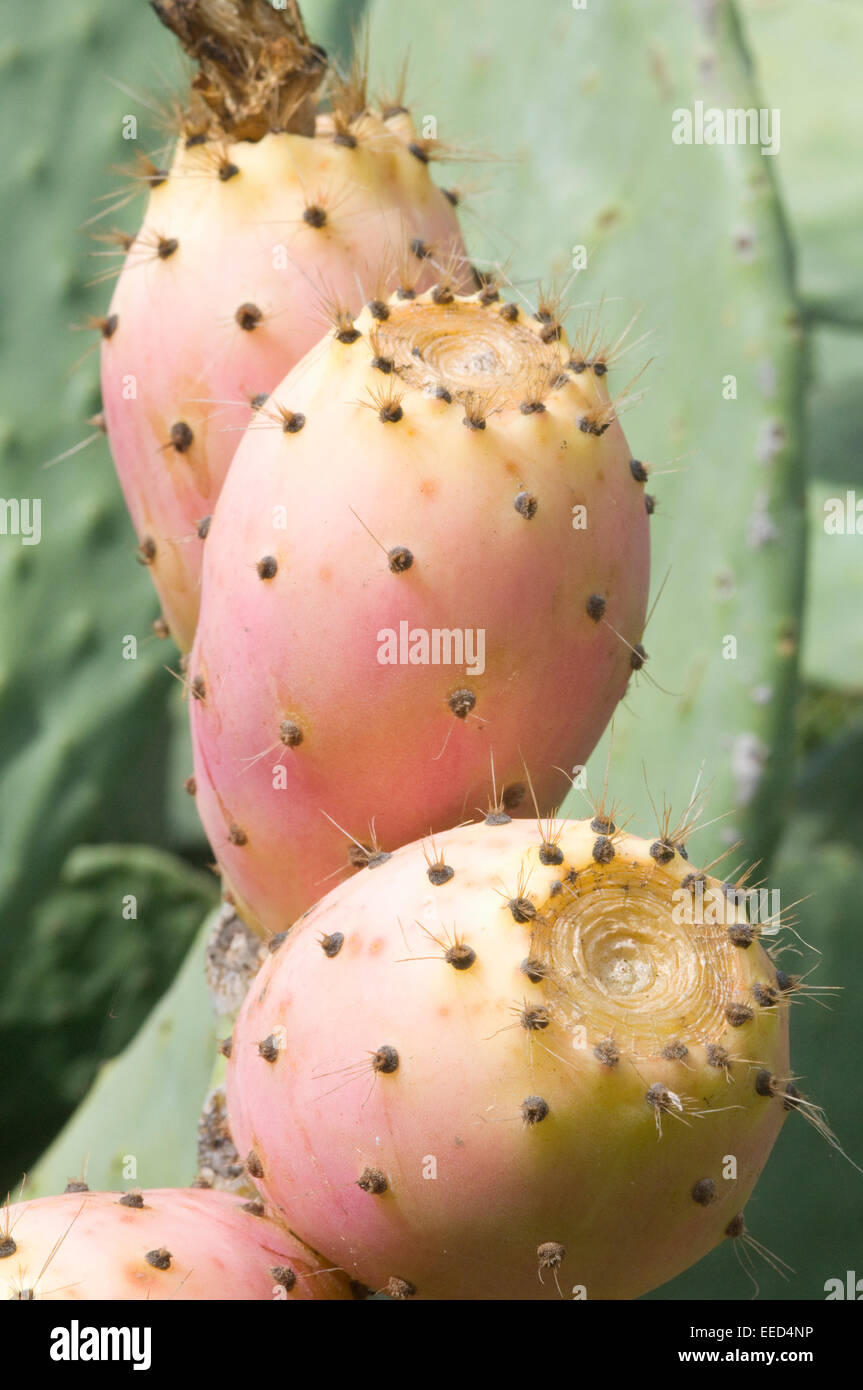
(264, 218)
(512, 1065)
(437, 551)
(183, 1243)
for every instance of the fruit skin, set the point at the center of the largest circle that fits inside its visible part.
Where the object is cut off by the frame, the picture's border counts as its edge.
(242, 240)
(297, 594)
(474, 1192)
(202, 1244)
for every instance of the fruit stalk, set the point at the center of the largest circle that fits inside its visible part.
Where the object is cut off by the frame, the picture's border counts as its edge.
(257, 69)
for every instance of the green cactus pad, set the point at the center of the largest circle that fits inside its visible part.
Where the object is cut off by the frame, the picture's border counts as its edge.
(692, 237)
(144, 1105)
(83, 726)
(105, 942)
(833, 645)
(821, 101)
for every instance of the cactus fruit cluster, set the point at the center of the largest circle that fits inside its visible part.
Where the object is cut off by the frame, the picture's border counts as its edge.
(402, 542)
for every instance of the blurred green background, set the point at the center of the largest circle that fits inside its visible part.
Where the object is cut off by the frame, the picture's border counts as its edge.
(736, 264)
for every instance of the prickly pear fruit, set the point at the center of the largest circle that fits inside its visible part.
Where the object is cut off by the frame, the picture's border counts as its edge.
(506, 1066)
(438, 551)
(166, 1244)
(266, 211)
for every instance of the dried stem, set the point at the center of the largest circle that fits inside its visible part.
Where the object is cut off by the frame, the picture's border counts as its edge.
(257, 70)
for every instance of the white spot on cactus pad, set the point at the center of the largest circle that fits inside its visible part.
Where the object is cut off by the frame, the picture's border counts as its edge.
(748, 758)
(760, 526)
